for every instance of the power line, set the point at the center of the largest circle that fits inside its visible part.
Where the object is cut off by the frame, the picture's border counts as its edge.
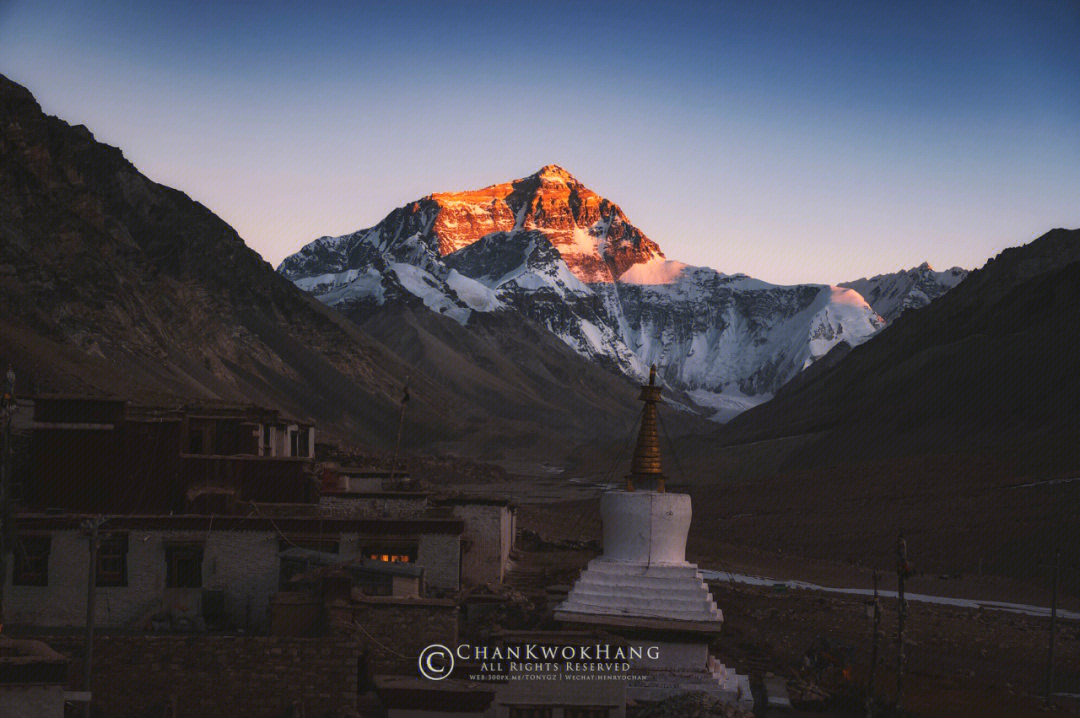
(674, 452)
(599, 489)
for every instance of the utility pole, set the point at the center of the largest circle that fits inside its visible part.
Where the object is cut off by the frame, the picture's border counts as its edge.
(1053, 627)
(903, 569)
(401, 424)
(7, 529)
(92, 526)
(874, 648)
(1056, 568)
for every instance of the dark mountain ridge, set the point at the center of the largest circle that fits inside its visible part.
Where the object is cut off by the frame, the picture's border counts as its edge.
(113, 284)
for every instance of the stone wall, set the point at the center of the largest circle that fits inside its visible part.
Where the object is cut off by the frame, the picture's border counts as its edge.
(440, 555)
(488, 538)
(31, 701)
(212, 676)
(373, 505)
(244, 563)
(393, 631)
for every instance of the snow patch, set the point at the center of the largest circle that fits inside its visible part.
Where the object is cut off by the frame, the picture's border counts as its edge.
(728, 404)
(478, 297)
(845, 316)
(655, 271)
(422, 284)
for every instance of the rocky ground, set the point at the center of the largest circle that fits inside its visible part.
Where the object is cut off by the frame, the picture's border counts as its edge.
(961, 661)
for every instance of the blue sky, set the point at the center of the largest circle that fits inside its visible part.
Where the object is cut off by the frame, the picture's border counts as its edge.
(795, 141)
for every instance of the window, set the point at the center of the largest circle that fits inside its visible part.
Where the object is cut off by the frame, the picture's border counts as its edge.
(376, 585)
(183, 566)
(112, 561)
(392, 552)
(585, 712)
(31, 561)
(529, 712)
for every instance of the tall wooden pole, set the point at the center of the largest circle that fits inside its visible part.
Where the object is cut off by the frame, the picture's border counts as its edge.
(874, 649)
(902, 569)
(7, 530)
(91, 589)
(1053, 627)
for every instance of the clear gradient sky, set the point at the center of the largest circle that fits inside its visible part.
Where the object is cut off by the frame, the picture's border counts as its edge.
(793, 141)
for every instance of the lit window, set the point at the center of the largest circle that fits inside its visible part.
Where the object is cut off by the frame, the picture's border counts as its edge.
(390, 552)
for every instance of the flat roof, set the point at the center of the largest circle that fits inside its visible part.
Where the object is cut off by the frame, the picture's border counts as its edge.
(342, 494)
(466, 499)
(403, 601)
(312, 525)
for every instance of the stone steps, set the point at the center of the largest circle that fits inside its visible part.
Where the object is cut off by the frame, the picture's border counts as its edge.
(583, 594)
(684, 589)
(637, 611)
(525, 579)
(612, 588)
(603, 566)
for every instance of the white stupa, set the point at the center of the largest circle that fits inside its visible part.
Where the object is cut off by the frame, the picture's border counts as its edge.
(643, 588)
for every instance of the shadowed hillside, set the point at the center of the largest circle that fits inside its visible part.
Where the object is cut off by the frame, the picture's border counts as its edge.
(111, 283)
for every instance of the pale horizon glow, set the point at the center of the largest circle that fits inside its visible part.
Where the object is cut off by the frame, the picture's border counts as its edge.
(790, 141)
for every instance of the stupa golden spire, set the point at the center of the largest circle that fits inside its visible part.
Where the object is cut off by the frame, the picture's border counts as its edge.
(646, 471)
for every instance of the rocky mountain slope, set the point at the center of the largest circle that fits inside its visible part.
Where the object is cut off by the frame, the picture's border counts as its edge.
(111, 283)
(891, 294)
(548, 248)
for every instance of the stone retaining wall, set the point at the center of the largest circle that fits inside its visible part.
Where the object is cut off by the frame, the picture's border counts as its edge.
(212, 676)
(393, 631)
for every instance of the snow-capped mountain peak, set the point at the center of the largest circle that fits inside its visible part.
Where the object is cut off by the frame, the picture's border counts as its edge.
(591, 233)
(550, 249)
(892, 294)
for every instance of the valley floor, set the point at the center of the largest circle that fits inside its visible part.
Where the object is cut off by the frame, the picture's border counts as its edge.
(961, 661)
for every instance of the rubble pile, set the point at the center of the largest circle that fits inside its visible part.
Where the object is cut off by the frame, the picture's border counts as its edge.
(807, 694)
